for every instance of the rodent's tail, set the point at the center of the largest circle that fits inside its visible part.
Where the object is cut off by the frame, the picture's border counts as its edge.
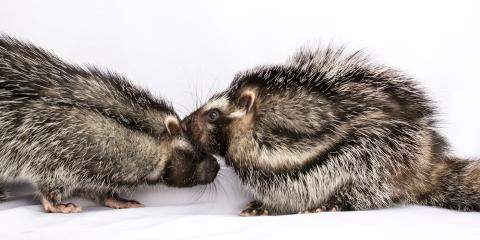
(456, 184)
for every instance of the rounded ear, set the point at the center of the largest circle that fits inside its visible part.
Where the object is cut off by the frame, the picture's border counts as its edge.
(246, 100)
(173, 125)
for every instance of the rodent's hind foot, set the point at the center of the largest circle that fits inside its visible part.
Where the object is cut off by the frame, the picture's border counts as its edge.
(253, 209)
(321, 209)
(60, 208)
(120, 203)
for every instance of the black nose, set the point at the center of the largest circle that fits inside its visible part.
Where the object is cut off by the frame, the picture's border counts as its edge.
(207, 169)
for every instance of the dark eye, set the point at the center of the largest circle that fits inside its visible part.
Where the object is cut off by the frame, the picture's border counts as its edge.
(213, 115)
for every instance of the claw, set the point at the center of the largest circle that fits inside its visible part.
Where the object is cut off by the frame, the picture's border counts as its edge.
(119, 203)
(62, 208)
(320, 209)
(254, 209)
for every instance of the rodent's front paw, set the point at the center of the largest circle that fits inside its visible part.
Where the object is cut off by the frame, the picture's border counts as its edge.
(62, 208)
(254, 209)
(321, 209)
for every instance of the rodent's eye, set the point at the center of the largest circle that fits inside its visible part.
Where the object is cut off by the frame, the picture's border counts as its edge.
(213, 115)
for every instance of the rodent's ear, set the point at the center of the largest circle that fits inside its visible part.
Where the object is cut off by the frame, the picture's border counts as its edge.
(172, 125)
(246, 100)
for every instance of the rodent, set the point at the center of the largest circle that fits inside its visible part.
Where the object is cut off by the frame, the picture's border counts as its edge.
(330, 130)
(76, 131)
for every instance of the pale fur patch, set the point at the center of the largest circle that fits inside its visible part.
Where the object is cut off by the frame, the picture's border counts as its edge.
(290, 157)
(180, 143)
(221, 103)
(284, 157)
(237, 114)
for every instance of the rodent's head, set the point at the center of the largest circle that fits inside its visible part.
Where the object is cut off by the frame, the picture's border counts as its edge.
(213, 125)
(269, 118)
(185, 165)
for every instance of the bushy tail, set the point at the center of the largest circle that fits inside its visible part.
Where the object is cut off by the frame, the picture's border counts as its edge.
(457, 185)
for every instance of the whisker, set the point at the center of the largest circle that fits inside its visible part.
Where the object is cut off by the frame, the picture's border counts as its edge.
(197, 196)
(210, 90)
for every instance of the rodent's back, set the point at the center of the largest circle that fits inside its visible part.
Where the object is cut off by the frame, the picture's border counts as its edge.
(29, 73)
(352, 81)
(67, 120)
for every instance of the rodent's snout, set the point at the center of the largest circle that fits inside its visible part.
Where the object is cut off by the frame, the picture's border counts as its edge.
(207, 169)
(207, 166)
(188, 171)
(197, 131)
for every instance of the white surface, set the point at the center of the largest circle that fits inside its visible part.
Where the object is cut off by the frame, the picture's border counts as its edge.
(180, 49)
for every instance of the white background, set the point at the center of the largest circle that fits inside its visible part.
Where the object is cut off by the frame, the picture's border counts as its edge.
(187, 50)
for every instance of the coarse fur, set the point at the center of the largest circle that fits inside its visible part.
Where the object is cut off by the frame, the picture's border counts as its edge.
(70, 130)
(329, 130)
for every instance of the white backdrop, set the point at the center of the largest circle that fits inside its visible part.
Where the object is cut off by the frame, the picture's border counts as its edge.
(186, 50)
